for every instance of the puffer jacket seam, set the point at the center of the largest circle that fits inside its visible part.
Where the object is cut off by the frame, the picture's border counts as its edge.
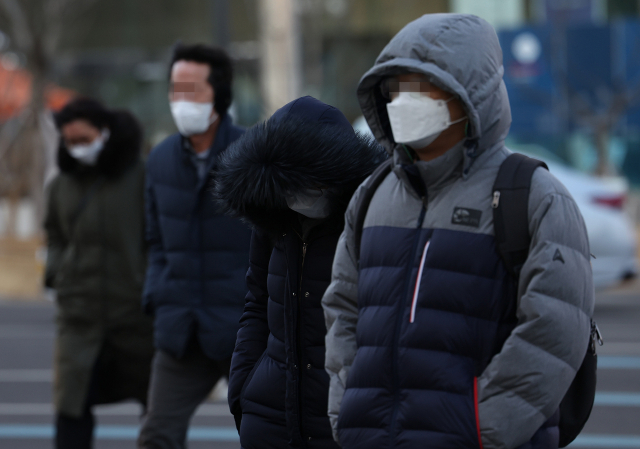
(519, 337)
(498, 321)
(460, 272)
(571, 248)
(544, 295)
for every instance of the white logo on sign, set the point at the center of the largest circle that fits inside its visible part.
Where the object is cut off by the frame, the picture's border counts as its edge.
(526, 48)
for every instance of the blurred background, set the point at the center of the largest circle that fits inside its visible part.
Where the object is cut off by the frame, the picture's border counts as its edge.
(572, 69)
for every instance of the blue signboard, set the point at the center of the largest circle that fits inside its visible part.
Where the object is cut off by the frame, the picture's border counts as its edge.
(555, 74)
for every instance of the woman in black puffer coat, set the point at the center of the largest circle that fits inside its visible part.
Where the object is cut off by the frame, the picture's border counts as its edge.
(305, 158)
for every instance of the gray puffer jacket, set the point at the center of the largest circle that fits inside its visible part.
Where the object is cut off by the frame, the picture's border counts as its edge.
(430, 342)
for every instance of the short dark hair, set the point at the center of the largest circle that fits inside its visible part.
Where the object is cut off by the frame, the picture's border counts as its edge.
(221, 73)
(84, 108)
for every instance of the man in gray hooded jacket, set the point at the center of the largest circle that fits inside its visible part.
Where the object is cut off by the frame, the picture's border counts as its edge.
(430, 342)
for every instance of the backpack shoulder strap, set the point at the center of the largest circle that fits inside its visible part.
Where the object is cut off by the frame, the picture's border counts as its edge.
(362, 205)
(511, 209)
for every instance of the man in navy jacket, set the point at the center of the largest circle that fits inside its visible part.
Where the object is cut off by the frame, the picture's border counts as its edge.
(197, 258)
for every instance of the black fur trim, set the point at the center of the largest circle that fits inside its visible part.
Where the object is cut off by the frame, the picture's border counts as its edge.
(121, 151)
(278, 158)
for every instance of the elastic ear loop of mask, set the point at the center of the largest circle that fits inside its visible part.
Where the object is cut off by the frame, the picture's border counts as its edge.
(466, 127)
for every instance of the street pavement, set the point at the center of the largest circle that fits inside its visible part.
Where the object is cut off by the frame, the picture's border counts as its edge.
(27, 334)
(26, 413)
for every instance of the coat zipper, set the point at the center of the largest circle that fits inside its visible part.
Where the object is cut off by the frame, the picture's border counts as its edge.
(496, 199)
(104, 264)
(298, 342)
(299, 327)
(304, 254)
(399, 308)
(201, 251)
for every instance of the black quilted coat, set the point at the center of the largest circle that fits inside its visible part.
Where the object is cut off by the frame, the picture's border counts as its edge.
(278, 386)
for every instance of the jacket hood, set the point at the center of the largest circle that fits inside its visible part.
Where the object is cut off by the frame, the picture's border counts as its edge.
(305, 144)
(121, 150)
(459, 53)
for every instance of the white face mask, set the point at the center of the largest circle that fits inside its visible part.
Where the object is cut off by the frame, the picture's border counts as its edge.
(417, 120)
(191, 117)
(88, 153)
(313, 203)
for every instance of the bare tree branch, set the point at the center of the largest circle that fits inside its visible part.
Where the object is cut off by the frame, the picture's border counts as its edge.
(35, 28)
(7, 141)
(21, 33)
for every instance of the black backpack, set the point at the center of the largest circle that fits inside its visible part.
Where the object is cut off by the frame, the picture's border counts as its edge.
(511, 193)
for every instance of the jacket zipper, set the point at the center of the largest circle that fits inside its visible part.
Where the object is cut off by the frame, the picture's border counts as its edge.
(104, 263)
(304, 254)
(416, 290)
(399, 308)
(298, 343)
(496, 199)
(200, 249)
(299, 326)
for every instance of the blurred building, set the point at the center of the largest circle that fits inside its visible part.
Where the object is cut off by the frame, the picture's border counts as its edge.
(120, 50)
(574, 82)
(571, 66)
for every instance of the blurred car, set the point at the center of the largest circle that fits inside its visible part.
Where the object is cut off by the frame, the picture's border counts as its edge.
(612, 236)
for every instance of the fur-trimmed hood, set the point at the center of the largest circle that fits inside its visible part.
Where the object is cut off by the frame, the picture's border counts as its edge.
(121, 150)
(304, 144)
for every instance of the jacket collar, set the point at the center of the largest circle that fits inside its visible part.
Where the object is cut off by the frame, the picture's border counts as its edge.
(435, 173)
(459, 162)
(220, 143)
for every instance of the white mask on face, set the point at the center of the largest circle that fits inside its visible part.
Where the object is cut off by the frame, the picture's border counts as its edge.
(313, 203)
(417, 120)
(88, 153)
(191, 117)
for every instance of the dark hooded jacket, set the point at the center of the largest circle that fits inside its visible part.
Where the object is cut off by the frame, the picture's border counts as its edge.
(96, 262)
(278, 386)
(197, 257)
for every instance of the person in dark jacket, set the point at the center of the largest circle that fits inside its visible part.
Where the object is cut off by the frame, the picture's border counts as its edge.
(96, 262)
(197, 257)
(292, 178)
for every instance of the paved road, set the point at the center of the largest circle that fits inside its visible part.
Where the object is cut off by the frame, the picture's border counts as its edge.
(26, 348)
(26, 415)
(615, 420)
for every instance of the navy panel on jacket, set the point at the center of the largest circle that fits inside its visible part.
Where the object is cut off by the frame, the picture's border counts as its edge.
(439, 332)
(197, 257)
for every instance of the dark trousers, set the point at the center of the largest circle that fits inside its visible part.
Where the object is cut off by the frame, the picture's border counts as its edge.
(77, 433)
(177, 387)
(74, 433)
